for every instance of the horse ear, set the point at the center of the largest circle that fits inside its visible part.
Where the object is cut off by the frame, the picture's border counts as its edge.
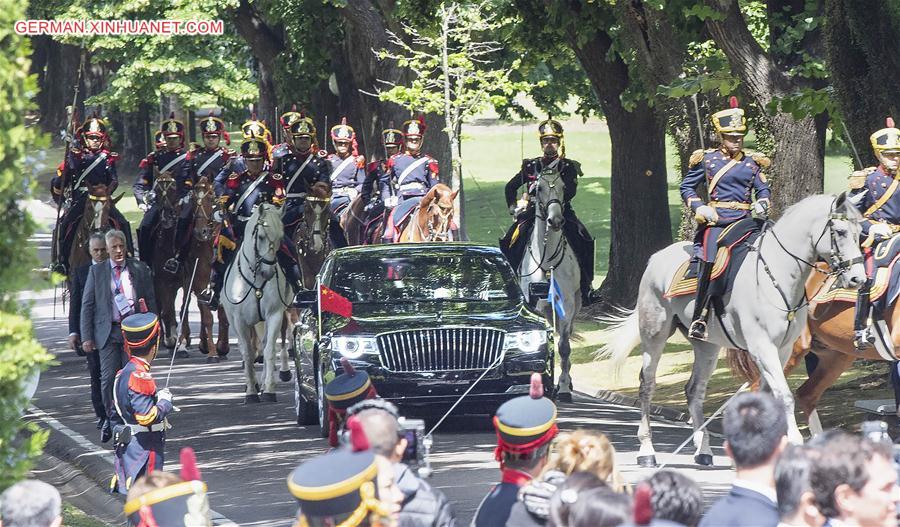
(453, 196)
(854, 200)
(116, 199)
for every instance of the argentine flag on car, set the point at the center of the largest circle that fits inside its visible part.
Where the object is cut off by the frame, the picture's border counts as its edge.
(556, 297)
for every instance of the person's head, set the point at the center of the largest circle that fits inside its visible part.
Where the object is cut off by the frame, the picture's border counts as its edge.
(550, 146)
(731, 125)
(796, 502)
(568, 494)
(890, 160)
(886, 145)
(162, 498)
(732, 143)
(254, 151)
(585, 451)
(389, 493)
(675, 497)
(30, 503)
(342, 136)
(382, 429)
(532, 463)
(302, 143)
(413, 144)
(755, 428)
(93, 142)
(141, 332)
(156, 479)
(97, 247)
(413, 134)
(525, 427)
(115, 245)
(173, 142)
(600, 507)
(853, 479)
(211, 140)
(93, 133)
(550, 133)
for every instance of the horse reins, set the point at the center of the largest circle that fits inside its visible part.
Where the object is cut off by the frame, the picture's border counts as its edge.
(541, 213)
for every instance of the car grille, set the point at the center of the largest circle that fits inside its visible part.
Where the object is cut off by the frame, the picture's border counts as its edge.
(443, 349)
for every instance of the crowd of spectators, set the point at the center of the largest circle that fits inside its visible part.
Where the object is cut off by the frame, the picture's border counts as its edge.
(836, 479)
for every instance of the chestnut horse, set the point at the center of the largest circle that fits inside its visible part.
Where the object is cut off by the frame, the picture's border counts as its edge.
(431, 219)
(311, 235)
(828, 334)
(205, 229)
(96, 217)
(165, 283)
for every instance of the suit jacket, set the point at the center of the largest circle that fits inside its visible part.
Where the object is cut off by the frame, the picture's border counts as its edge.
(96, 302)
(76, 289)
(741, 507)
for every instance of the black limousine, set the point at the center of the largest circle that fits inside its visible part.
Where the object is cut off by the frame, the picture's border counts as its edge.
(427, 321)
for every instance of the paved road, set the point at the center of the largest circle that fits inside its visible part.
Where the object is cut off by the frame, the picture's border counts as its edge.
(245, 452)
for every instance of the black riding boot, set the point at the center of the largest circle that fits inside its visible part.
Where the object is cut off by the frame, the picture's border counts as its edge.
(701, 305)
(210, 295)
(295, 278)
(336, 233)
(862, 336)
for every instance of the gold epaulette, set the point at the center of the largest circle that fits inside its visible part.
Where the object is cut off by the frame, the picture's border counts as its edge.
(857, 179)
(760, 159)
(193, 146)
(697, 156)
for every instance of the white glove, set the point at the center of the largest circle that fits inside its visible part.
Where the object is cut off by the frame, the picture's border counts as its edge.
(186, 199)
(761, 207)
(513, 210)
(880, 230)
(217, 216)
(707, 214)
(144, 207)
(390, 202)
(164, 395)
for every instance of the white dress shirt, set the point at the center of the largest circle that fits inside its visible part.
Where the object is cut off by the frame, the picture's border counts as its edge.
(127, 289)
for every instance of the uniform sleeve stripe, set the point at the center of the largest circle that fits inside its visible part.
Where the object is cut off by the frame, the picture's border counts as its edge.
(146, 419)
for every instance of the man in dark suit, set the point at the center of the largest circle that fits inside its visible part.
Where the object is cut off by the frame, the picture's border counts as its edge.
(97, 247)
(113, 291)
(755, 428)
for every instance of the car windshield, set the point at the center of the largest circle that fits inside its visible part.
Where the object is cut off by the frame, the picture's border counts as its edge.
(460, 277)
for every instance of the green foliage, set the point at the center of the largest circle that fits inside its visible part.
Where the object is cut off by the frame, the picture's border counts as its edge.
(20, 354)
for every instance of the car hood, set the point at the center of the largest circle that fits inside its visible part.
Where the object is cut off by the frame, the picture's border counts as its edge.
(375, 318)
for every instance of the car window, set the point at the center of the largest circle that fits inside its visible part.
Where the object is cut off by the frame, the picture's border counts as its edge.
(425, 278)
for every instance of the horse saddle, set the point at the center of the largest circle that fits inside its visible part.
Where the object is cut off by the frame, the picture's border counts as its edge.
(885, 285)
(733, 244)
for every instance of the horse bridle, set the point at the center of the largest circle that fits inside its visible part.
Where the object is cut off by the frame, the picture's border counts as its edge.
(165, 185)
(541, 213)
(836, 263)
(201, 192)
(434, 234)
(317, 229)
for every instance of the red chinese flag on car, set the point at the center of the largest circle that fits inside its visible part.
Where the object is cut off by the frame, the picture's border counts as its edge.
(332, 302)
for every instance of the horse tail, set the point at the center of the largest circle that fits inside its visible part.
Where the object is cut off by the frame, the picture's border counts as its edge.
(622, 336)
(742, 366)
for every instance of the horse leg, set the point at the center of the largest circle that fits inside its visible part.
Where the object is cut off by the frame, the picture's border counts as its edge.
(655, 327)
(272, 329)
(222, 346)
(245, 343)
(706, 356)
(832, 365)
(564, 387)
(284, 372)
(768, 360)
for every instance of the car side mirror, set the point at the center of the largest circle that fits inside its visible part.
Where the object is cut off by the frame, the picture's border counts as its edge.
(538, 290)
(308, 298)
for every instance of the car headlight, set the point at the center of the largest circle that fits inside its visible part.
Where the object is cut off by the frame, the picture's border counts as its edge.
(354, 347)
(527, 341)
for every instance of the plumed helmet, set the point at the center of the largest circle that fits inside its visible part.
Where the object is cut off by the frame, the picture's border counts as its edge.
(887, 139)
(730, 121)
(172, 126)
(255, 148)
(414, 127)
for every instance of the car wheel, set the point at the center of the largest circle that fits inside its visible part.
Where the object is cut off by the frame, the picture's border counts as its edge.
(324, 417)
(306, 411)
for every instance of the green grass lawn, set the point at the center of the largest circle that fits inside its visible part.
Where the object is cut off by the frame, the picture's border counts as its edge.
(74, 517)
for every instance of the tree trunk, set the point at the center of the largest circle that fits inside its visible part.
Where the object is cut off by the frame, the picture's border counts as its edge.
(864, 57)
(798, 161)
(266, 43)
(59, 86)
(268, 99)
(639, 215)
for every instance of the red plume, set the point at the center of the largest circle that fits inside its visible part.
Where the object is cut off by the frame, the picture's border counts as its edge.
(732, 102)
(358, 439)
(189, 470)
(343, 120)
(889, 122)
(227, 137)
(421, 119)
(536, 391)
(643, 507)
(145, 513)
(348, 368)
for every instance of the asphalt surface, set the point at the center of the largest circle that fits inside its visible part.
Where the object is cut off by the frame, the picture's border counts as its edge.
(245, 452)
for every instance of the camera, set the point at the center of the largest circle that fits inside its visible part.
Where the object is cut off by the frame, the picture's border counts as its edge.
(418, 446)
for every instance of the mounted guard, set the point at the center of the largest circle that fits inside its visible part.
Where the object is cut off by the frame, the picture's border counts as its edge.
(408, 177)
(731, 175)
(880, 204)
(346, 167)
(302, 164)
(88, 170)
(170, 162)
(366, 221)
(554, 160)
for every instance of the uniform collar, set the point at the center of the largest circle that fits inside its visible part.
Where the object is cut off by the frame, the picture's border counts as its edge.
(142, 364)
(546, 159)
(724, 153)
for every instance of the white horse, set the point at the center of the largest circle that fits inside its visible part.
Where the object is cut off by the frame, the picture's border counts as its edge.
(763, 314)
(255, 296)
(549, 251)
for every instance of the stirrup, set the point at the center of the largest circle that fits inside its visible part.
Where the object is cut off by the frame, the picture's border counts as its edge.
(172, 265)
(863, 338)
(698, 329)
(206, 296)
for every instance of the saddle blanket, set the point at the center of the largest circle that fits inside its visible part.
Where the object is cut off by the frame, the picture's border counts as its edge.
(885, 286)
(399, 216)
(733, 245)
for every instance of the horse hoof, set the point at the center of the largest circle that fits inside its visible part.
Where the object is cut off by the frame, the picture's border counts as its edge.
(269, 398)
(212, 359)
(251, 398)
(181, 354)
(705, 460)
(285, 376)
(292, 353)
(202, 349)
(221, 357)
(647, 461)
(564, 397)
(259, 360)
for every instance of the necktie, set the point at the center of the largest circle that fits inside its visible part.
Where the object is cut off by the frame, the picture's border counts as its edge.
(118, 273)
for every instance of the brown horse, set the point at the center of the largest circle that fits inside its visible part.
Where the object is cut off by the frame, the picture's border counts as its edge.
(166, 283)
(96, 217)
(204, 231)
(353, 221)
(829, 334)
(311, 235)
(431, 220)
